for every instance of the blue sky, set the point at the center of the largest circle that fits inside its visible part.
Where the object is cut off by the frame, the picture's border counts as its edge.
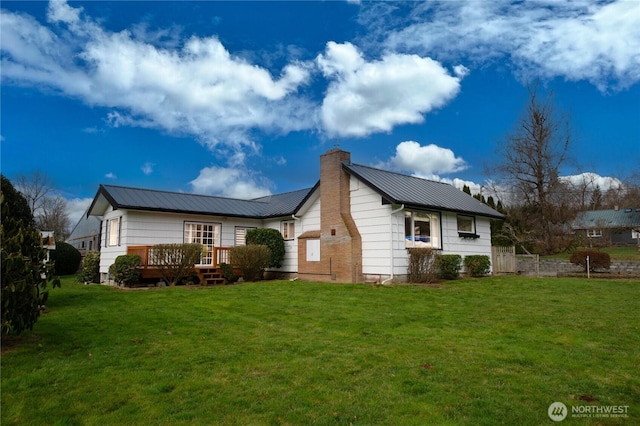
(240, 98)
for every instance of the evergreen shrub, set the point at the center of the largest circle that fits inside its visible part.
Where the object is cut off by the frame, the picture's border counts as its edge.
(66, 259)
(90, 269)
(449, 266)
(477, 265)
(126, 269)
(272, 238)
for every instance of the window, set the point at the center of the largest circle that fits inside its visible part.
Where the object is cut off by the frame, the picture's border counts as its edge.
(467, 227)
(113, 232)
(241, 235)
(288, 229)
(422, 229)
(207, 234)
(594, 233)
(466, 224)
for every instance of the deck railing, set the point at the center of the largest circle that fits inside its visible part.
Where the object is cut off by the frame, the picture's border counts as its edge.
(219, 255)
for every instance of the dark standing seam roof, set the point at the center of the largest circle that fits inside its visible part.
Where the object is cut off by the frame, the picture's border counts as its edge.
(411, 191)
(598, 219)
(152, 200)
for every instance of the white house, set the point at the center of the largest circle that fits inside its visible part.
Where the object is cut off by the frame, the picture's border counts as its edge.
(354, 225)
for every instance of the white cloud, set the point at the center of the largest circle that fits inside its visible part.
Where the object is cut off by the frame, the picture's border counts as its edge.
(590, 181)
(368, 97)
(76, 207)
(147, 168)
(229, 182)
(577, 40)
(199, 90)
(111, 175)
(427, 161)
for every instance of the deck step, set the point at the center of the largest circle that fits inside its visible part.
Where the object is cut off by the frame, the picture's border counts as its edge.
(210, 276)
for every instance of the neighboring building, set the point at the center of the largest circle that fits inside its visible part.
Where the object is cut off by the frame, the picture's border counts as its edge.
(48, 242)
(610, 227)
(86, 234)
(354, 225)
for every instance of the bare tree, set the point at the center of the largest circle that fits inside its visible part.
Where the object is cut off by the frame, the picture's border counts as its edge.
(35, 188)
(530, 161)
(53, 217)
(49, 209)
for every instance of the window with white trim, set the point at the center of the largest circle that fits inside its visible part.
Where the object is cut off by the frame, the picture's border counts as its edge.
(288, 229)
(207, 234)
(113, 231)
(421, 229)
(594, 233)
(466, 224)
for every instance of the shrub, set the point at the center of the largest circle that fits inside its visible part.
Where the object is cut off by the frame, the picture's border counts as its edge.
(272, 238)
(175, 261)
(66, 259)
(477, 265)
(449, 266)
(423, 265)
(251, 259)
(597, 259)
(90, 268)
(228, 273)
(126, 269)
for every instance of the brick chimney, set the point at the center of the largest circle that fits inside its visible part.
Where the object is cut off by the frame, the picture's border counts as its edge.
(334, 252)
(340, 241)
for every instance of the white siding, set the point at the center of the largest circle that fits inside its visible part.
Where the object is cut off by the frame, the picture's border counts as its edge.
(375, 226)
(290, 263)
(378, 231)
(108, 254)
(452, 243)
(150, 228)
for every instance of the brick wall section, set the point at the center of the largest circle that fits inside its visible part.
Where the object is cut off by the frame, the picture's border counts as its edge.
(340, 241)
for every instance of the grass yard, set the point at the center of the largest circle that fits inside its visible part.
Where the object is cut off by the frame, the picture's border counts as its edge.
(478, 352)
(620, 254)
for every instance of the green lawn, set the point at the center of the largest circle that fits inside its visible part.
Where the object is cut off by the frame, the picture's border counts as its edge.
(488, 351)
(622, 254)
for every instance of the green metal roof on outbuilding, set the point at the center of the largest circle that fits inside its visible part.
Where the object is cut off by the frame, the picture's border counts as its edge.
(614, 218)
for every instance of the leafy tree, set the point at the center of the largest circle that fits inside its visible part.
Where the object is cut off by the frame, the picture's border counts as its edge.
(272, 238)
(24, 275)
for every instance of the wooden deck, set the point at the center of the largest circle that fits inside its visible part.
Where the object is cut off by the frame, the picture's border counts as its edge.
(208, 274)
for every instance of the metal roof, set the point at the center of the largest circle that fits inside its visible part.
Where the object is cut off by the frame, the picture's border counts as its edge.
(620, 218)
(393, 187)
(121, 197)
(411, 191)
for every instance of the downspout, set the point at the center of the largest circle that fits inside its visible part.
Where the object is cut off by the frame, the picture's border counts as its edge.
(391, 242)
